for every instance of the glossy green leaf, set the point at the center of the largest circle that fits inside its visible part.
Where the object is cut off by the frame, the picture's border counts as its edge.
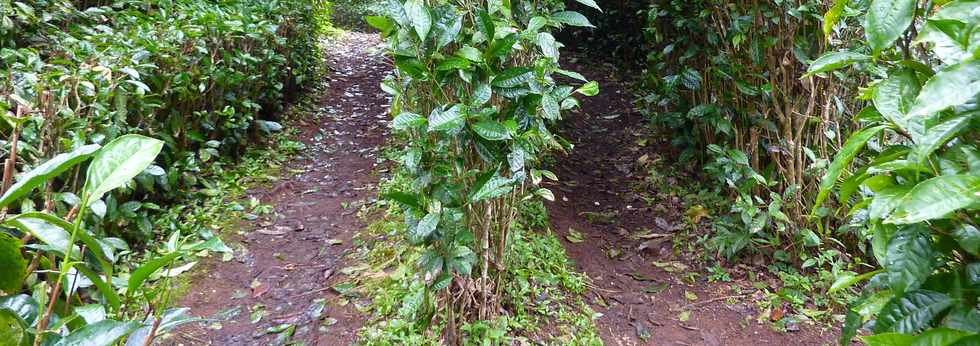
(512, 77)
(848, 279)
(143, 272)
(590, 3)
(13, 330)
(911, 312)
(893, 97)
(13, 263)
(888, 339)
(571, 18)
(886, 20)
(418, 14)
(119, 162)
(48, 233)
(550, 107)
(46, 171)
(953, 86)
(447, 25)
(910, 258)
(589, 89)
(938, 135)
(939, 337)
(492, 188)
(937, 197)
(486, 25)
(842, 159)
(22, 305)
(103, 333)
(425, 228)
(549, 47)
(470, 53)
(832, 17)
(383, 24)
(446, 120)
(407, 120)
(502, 47)
(834, 61)
(968, 236)
(491, 130)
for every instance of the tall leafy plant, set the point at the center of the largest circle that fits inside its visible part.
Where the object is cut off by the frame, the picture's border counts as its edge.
(478, 90)
(916, 185)
(53, 313)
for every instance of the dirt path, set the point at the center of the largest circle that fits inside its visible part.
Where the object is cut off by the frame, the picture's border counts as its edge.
(288, 261)
(642, 290)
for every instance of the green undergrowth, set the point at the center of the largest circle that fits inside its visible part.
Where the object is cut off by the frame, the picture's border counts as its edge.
(721, 251)
(542, 293)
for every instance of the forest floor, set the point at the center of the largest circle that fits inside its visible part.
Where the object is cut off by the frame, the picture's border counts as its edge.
(617, 230)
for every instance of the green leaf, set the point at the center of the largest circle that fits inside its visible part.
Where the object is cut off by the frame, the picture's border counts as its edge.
(886, 20)
(939, 337)
(491, 130)
(138, 276)
(502, 47)
(590, 3)
(446, 120)
(963, 317)
(13, 263)
(512, 77)
(589, 89)
(470, 53)
(968, 237)
(486, 24)
(383, 24)
(550, 106)
(118, 162)
(418, 15)
(910, 258)
(13, 330)
(848, 279)
(482, 94)
(893, 97)
(405, 199)
(46, 171)
(953, 86)
(407, 120)
(22, 305)
(835, 60)
(109, 292)
(424, 229)
(888, 339)
(494, 187)
(549, 47)
(832, 17)
(48, 233)
(851, 148)
(911, 312)
(447, 25)
(935, 198)
(571, 18)
(102, 333)
(936, 136)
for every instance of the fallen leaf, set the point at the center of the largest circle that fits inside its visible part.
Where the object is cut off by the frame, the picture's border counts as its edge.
(574, 236)
(334, 241)
(690, 296)
(684, 316)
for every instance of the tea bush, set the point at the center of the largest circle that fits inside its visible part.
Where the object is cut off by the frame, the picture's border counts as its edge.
(83, 84)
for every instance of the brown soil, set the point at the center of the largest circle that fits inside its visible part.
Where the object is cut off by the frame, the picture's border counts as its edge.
(289, 260)
(603, 180)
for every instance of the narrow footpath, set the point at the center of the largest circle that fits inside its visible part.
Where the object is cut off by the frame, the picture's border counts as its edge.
(288, 261)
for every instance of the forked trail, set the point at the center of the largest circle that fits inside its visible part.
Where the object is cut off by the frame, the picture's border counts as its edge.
(286, 262)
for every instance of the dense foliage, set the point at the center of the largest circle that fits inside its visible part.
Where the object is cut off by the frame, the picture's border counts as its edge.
(916, 190)
(198, 75)
(475, 95)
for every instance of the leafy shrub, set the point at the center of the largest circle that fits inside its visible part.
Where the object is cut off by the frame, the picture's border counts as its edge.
(80, 80)
(196, 74)
(917, 186)
(475, 96)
